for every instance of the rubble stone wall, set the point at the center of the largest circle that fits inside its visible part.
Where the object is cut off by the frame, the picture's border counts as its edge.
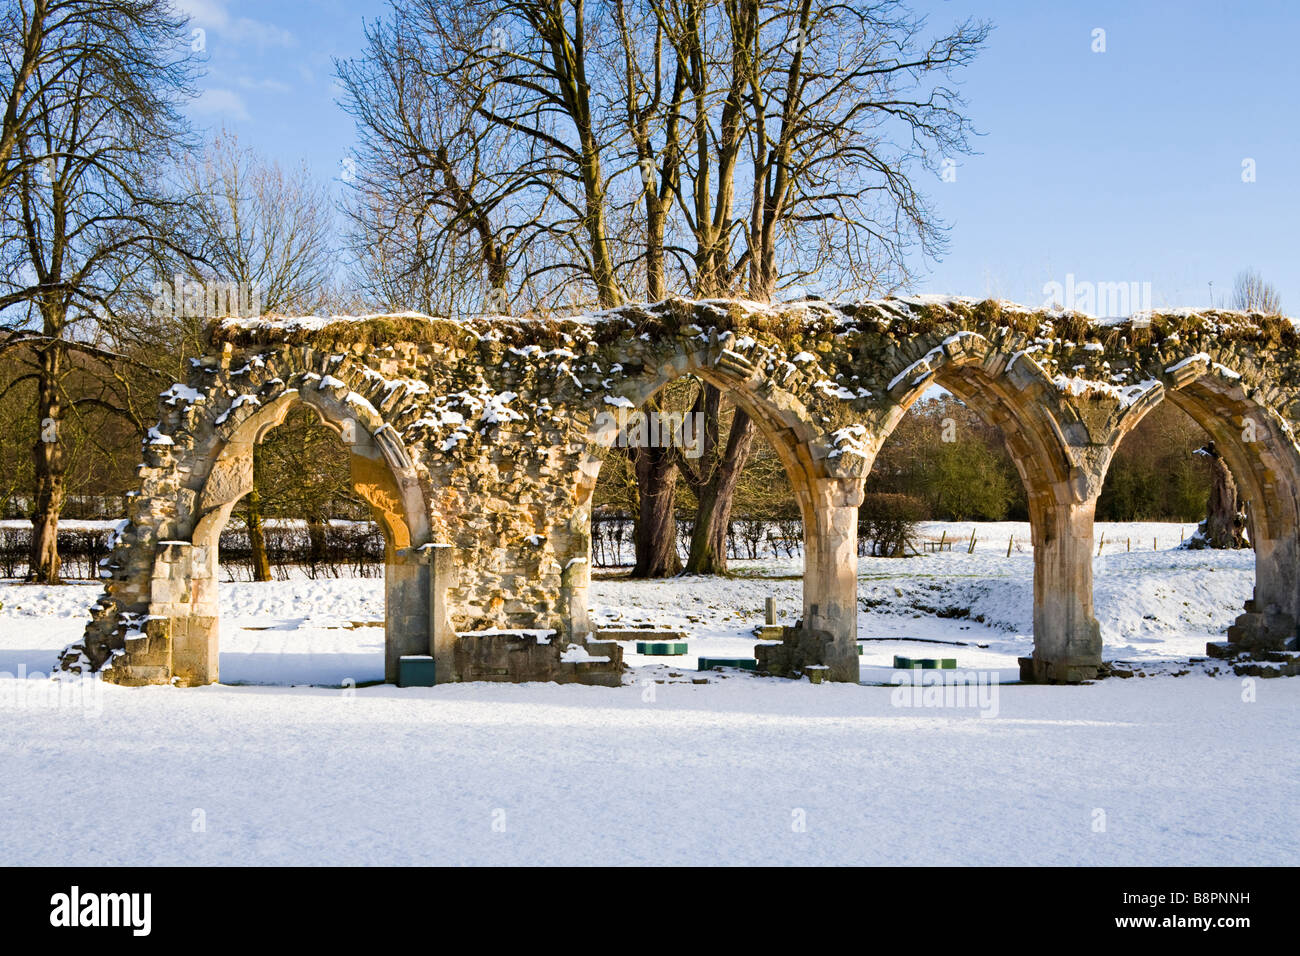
(477, 444)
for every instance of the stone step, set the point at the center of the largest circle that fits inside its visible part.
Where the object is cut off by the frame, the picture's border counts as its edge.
(638, 634)
(1250, 668)
(530, 655)
(136, 643)
(1264, 631)
(134, 675)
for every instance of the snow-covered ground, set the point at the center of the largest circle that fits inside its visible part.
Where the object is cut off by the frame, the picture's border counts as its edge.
(1152, 605)
(1179, 770)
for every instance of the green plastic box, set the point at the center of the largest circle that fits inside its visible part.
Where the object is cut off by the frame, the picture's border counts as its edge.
(745, 663)
(415, 671)
(924, 663)
(661, 648)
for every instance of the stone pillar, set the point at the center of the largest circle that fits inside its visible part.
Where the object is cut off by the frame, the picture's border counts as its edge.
(574, 582)
(178, 638)
(1067, 638)
(196, 636)
(408, 606)
(576, 555)
(442, 636)
(830, 577)
(1269, 621)
(1277, 563)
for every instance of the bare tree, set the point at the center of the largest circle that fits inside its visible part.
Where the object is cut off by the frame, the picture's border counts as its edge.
(23, 47)
(1251, 293)
(653, 102)
(588, 151)
(270, 231)
(431, 220)
(838, 105)
(46, 46)
(479, 134)
(85, 210)
(262, 225)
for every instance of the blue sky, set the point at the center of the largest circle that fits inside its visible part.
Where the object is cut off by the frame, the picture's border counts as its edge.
(1115, 166)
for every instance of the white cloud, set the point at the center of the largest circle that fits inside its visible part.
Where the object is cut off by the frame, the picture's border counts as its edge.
(215, 16)
(263, 85)
(219, 102)
(204, 12)
(260, 34)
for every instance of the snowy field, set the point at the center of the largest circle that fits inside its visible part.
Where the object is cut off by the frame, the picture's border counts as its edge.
(266, 768)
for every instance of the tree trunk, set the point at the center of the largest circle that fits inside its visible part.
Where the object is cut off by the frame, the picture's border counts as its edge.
(656, 525)
(655, 284)
(256, 539)
(715, 497)
(1224, 525)
(47, 454)
(316, 545)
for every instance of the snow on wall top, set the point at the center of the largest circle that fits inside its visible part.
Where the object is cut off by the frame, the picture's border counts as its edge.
(310, 323)
(1214, 321)
(852, 352)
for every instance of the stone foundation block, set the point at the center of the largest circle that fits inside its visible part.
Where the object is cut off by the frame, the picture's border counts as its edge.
(516, 657)
(801, 648)
(1035, 670)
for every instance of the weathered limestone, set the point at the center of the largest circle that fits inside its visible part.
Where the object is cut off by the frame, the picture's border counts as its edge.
(1067, 638)
(478, 444)
(441, 577)
(1250, 415)
(517, 657)
(829, 630)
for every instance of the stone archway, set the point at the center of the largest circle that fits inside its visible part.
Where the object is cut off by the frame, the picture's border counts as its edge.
(1258, 446)
(159, 620)
(1049, 444)
(380, 473)
(827, 487)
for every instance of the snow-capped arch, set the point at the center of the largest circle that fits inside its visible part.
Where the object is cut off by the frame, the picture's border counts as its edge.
(1258, 444)
(158, 619)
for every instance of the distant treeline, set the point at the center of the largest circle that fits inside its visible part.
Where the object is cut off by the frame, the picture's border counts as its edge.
(328, 550)
(942, 463)
(956, 468)
(748, 537)
(81, 551)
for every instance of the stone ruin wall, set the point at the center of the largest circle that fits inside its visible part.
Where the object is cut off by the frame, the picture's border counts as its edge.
(484, 437)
